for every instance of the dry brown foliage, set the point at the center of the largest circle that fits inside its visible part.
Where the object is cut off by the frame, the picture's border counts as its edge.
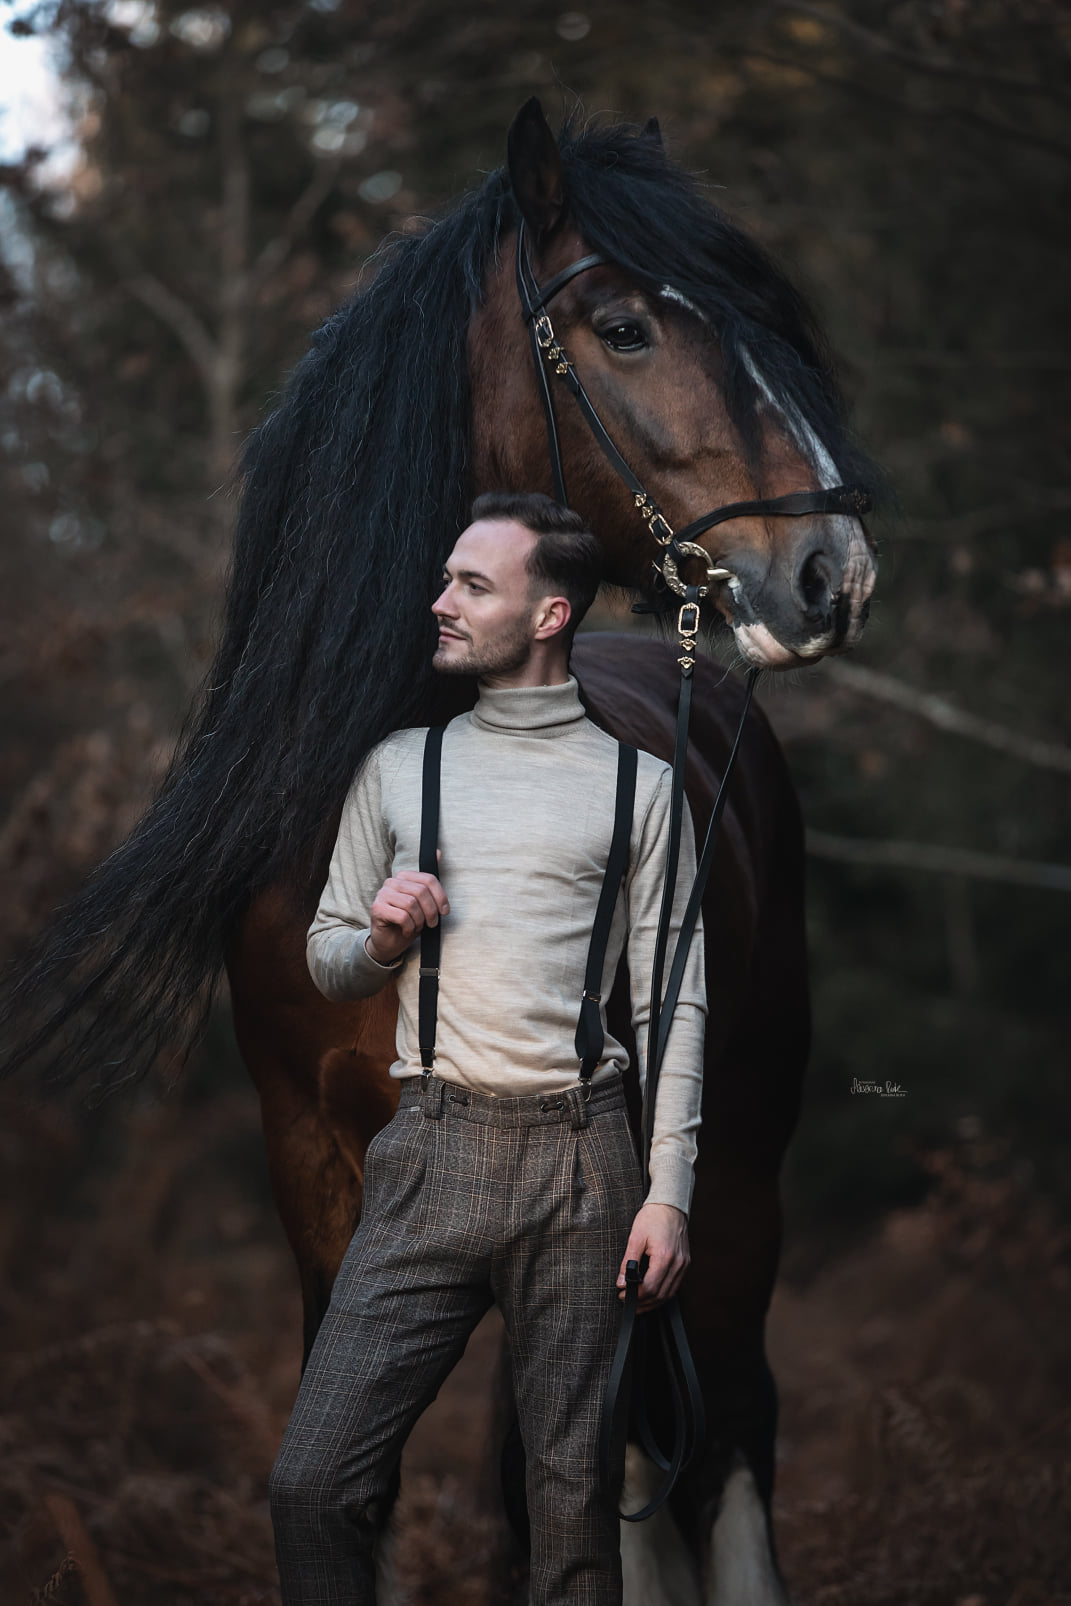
(926, 1420)
(150, 1356)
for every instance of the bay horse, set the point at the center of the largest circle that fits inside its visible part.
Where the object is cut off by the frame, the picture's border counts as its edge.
(415, 396)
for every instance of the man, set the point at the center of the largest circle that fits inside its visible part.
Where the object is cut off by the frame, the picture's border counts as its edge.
(497, 1180)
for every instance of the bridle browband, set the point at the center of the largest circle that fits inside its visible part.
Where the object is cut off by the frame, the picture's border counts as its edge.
(676, 546)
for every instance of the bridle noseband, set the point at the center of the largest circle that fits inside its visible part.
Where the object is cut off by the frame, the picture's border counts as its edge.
(676, 546)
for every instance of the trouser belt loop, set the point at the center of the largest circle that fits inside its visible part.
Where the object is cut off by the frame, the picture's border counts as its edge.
(433, 1098)
(577, 1100)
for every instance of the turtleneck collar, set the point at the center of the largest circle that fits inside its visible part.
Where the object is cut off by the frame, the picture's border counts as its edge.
(529, 710)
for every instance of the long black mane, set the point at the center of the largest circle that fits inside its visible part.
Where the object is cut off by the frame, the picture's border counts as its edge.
(354, 489)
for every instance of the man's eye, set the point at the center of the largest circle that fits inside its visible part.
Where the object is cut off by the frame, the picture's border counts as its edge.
(624, 336)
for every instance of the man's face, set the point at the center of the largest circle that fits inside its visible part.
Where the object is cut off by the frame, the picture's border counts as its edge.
(488, 615)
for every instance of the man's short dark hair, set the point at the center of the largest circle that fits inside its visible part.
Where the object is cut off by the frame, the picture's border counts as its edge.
(566, 555)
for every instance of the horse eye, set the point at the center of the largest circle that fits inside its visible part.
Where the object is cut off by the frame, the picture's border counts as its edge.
(624, 336)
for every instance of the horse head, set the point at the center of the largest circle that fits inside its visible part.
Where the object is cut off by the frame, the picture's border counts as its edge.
(701, 362)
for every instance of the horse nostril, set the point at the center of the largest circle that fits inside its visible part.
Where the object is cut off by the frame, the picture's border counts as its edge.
(815, 584)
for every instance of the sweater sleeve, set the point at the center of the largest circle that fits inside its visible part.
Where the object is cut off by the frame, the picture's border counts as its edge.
(363, 855)
(680, 1084)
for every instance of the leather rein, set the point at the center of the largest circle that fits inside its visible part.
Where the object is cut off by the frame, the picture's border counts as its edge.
(675, 548)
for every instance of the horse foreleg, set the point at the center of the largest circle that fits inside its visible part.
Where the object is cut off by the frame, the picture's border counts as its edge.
(321, 1072)
(724, 1502)
(657, 1566)
(316, 1187)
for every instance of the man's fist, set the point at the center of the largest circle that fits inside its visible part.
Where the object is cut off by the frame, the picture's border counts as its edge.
(660, 1232)
(404, 905)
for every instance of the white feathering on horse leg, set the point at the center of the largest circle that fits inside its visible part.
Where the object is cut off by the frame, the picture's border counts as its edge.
(386, 1573)
(741, 1569)
(656, 1567)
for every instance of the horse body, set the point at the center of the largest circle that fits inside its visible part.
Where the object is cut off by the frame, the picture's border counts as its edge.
(709, 375)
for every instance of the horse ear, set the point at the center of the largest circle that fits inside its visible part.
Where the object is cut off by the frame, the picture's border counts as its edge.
(535, 169)
(652, 131)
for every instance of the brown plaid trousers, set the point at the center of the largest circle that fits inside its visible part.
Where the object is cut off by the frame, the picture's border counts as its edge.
(469, 1200)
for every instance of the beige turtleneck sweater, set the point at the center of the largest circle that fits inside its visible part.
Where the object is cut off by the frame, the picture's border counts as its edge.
(527, 811)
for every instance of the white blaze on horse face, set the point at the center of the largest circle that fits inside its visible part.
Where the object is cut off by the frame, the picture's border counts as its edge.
(813, 449)
(668, 293)
(757, 642)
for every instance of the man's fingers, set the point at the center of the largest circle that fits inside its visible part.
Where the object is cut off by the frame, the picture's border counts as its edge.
(409, 910)
(429, 890)
(636, 1249)
(398, 910)
(663, 1279)
(651, 1288)
(663, 1276)
(424, 900)
(659, 1232)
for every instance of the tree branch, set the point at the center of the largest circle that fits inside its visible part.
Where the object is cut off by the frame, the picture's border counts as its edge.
(937, 860)
(180, 319)
(869, 93)
(910, 58)
(947, 717)
(981, 520)
(301, 214)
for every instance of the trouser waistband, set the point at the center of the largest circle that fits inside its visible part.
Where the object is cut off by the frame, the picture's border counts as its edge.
(439, 1098)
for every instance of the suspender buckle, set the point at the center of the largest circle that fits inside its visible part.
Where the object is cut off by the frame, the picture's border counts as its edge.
(596, 998)
(429, 970)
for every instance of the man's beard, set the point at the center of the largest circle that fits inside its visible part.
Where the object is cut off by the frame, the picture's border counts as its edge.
(509, 652)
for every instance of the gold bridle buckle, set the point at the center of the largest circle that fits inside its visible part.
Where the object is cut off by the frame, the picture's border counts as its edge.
(689, 629)
(690, 549)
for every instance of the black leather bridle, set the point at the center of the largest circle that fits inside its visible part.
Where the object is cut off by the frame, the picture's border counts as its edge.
(675, 548)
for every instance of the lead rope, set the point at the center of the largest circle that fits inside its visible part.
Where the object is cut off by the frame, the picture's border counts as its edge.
(689, 1416)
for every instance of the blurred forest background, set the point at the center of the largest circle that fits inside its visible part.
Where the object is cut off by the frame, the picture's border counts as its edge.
(227, 172)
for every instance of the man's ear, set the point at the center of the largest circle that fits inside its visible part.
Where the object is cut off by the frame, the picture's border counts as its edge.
(535, 170)
(565, 608)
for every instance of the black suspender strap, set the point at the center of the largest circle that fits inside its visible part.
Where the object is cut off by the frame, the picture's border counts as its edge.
(430, 936)
(589, 1033)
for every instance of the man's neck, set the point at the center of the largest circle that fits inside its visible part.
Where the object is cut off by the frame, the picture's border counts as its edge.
(546, 673)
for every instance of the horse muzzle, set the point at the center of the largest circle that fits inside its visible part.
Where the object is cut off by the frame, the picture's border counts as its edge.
(809, 604)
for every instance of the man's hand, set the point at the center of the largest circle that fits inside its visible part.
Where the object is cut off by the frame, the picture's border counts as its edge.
(660, 1232)
(403, 906)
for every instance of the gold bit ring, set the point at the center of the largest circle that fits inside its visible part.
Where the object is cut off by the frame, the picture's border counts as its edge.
(691, 549)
